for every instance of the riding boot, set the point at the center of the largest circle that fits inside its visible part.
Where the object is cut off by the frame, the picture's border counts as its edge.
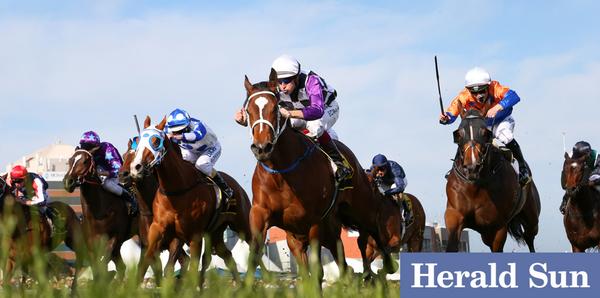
(563, 204)
(524, 176)
(407, 213)
(227, 191)
(343, 171)
(132, 205)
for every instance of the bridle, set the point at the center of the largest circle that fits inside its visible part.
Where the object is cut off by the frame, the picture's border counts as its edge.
(462, 151)
(89, 172)
(261, 102)
(158, 151)
(581, 183)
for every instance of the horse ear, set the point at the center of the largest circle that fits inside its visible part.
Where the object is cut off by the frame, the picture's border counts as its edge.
(272, 80)
(147, 122)
(129, 144)
(567, 155)
(456, 136)
(247, 84)
(162, 123)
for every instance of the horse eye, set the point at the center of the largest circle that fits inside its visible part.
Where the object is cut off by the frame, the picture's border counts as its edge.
(156, 142)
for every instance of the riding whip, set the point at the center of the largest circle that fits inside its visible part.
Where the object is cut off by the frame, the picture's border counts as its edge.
(437, 77)
(137, 124)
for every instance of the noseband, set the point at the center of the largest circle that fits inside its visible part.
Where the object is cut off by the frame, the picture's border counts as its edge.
(261, 102)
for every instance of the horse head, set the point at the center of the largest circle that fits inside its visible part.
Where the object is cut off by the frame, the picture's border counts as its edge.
(124, 174)
(573, 173)
(81, 169)
(262, 114)
(473, 139)
(150, 150)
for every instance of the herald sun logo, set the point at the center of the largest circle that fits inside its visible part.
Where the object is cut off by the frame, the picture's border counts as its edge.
(425, 275)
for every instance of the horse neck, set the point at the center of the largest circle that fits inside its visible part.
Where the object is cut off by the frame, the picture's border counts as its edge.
(587, 199)
(288, 148)
(94, 199)
(174, 171)
(147, 189)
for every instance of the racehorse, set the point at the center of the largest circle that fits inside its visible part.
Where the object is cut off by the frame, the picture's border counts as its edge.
(582, 214)
(484, 193)
(187, 204)
(33, 230)
(104, 214)
(293, 183)
(413, 234)
(144, 190)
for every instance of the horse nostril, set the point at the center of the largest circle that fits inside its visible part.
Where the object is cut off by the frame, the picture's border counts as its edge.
(268, 147)
(125, 174)
(138, 167)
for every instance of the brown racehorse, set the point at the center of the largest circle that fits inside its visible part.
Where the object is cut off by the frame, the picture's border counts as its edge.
(144, 190)
(582, 215)
(413, 237)
(104, 214)
(293, 184)
(33, 230)
(185, 207)
(484, 193)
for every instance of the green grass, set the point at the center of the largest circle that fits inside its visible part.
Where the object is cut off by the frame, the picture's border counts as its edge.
(44, 280)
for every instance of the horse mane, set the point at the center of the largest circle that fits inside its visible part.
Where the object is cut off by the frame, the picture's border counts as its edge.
(261, 85)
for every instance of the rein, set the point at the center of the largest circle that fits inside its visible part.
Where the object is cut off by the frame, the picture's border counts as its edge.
(457, 164)
(310, 148)
(280, 128)
(181, 191)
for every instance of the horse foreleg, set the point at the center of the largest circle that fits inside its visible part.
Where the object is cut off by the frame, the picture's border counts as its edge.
(155, 234)
(499, 240)
(258, 227)
(195, 250)
(317, 265)
(362, 242)
(206, 258)
(225, 254)
(298, 250)
(454, 225)
(176, 253)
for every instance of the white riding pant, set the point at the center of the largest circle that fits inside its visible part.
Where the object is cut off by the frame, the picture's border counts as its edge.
(503, 131)
(317, 127)
(203, 161)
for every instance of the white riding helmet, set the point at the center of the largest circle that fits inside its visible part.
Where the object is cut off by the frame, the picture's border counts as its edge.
(286, 66)
(477, 77)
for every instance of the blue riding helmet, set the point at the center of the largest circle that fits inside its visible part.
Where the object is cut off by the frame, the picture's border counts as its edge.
(380, 161)
(178, 120)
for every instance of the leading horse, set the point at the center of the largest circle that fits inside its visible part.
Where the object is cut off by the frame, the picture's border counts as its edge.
(186, 206)
(104, 214)
(294, 187)
(484, 193)
(582, 214)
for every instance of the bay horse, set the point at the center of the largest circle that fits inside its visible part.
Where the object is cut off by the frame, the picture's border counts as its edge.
(484, 193)
(294, 187)
(144, 190)
(33, 230)
(185, 207)
(105, 216)
(582, 215)
(413, 234)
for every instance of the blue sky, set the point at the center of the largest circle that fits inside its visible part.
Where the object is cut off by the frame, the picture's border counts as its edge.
(70, 66)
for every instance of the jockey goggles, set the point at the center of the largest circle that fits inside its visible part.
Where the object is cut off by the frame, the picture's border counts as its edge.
(478, 89)
(19, 180)
(286, 80)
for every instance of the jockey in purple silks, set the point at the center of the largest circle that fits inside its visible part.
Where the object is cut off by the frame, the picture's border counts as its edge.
(108, 161)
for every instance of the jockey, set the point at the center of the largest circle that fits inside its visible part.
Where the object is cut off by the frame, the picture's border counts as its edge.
(108, 162)
(481, 92)
(29, 188)
(199, 145)
(391, 181)
(583, 148)
(310, 105)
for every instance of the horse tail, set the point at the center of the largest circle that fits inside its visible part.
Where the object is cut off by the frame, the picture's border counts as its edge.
(516, 230)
